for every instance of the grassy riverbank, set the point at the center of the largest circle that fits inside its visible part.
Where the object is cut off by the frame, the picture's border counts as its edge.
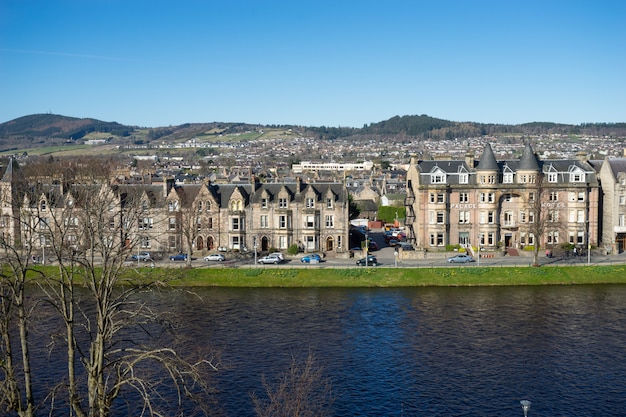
(396, 277)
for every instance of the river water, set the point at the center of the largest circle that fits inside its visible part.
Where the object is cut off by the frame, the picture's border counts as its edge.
(422, 351)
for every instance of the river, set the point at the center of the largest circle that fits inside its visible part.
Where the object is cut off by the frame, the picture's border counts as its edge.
(421, 351)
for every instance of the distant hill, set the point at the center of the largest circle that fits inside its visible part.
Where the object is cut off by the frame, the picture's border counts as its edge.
(40, 130)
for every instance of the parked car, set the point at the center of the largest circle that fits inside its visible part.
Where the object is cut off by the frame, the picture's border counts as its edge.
(218, 257)
(405, 246)
(269, 260)
(179, 257)
(371, 261)
(143, 256)
(311, 258)
(278, 255)
(461, 258)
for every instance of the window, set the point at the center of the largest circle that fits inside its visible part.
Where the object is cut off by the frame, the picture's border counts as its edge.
(622, 200)
(172, 223)
(507, 178)
(339, 241)
(310, 203)
(172, 205)
(553, 177)
(522, 217)
(508, 218)
(282, 203)
(463, 197)
(553, 216)
(438, 177)
(199, 206)
(330, 221)
(580, 237)
(264, 203)
(199, 223)
(483, 217)
(491, 239)
(580, 218)
(264, 222)
(490, 217)
(283, 242)
(207, 205)
(144, 205)
(572, 216)
(441, 198)
(576, 174)
(581, 196)
(531, 197)
(145, 223)
(508, 197)
(436, 239)
(282, 222)
(310, 243)
(554, 196)
(42, 205)
(620, 221)
(464, 216)
(487, 197)
(309, 222)
(440, 217)
(235, 223)
(553, 237)
(463, 178)
(210, 222)
(145, 242)
(432, 197)
(329, 203)
(531, 217)
(235, 242)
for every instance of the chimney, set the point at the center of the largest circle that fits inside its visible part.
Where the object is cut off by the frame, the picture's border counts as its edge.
(469, 159)
(168, 184)
(298, 184)
(582, 156)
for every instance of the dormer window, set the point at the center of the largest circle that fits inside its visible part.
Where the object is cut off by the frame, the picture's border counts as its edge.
(172, 205)
(576, 174)
(199, 206)
(282, 203)
(310, 203)
(507, 176)
(437, 176)
(42, 205)
(329, 203)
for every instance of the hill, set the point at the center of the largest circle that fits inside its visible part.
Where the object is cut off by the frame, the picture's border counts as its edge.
(48, 130)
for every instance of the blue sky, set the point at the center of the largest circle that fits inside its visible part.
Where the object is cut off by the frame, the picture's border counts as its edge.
(313, 63)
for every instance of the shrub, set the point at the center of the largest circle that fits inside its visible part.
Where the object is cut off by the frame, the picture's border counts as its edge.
(293, 249)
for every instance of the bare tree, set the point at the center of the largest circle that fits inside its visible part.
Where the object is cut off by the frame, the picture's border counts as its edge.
(301, 391)
(118, 349)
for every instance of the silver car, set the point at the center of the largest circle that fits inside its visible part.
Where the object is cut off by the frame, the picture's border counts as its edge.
(460, 259)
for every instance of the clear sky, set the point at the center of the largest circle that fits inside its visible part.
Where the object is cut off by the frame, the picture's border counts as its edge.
(314, 63)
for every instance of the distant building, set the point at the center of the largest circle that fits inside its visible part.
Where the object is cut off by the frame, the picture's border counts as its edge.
(331, 166)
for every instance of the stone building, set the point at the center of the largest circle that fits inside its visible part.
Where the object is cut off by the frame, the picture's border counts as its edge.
(495, 204)
(170, 217)
(612, 175)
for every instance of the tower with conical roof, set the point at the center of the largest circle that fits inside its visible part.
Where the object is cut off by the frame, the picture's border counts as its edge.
(487, 170)
(528, 169)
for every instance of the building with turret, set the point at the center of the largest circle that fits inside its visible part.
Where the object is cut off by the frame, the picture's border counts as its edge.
(491, 204)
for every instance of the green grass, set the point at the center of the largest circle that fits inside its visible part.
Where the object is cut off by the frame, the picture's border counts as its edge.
(374, 276)
(401, 277)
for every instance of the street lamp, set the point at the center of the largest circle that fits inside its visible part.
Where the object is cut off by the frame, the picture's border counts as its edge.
(525, 407)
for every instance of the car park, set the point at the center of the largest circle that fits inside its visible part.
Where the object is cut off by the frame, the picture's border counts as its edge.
(269, 260)
(461, 258)
(179, 257)
(217, 257)
(311, 258)
(370, 260)
(143, 256)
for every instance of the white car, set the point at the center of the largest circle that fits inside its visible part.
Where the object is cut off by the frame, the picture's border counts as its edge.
(278, 255)
(218, 257)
